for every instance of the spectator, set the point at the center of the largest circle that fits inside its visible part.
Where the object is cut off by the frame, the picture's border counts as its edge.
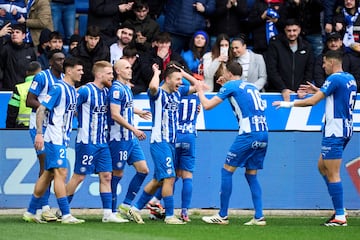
(289, 61)
(55, 42)
(350, 61)
(38, 18)
(90, 50)
(18, 114)
(253, 64)
(265, 21)
(125, 34)
(5, 30)
(330, 8)
(107, 15)
(194, 56)
(308, 14)
(74, 41)
(183, 18)
(214, 61)
(145, 27)
(8, 17)
(161, 54)
(44, 40)
(15, 57)
(348, 22)
(229, 18)
(63, 16)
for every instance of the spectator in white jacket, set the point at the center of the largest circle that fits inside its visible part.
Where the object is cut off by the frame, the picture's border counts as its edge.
(253, 64)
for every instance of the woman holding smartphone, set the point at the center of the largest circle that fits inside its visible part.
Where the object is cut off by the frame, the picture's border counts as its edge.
(215, 60)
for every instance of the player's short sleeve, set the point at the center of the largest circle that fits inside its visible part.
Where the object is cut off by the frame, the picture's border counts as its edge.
(82, 95)
(184, 90)
(225, 91)
(52, 99)
(116, 95)
(37, 84)
(330, 84)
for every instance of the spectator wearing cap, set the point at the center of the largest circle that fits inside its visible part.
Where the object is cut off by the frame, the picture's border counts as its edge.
(145, 27)
(193, 57)
(74, 41)
(15, 57)
(350, 63)
(289, 61)
(253, 64)
(43, 40)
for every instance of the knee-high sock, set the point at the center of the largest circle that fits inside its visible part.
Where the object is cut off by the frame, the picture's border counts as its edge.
(255, 189)
(336, 193)
(226, 189)
(114, 183)
(63, 205)
(158, 194)
(326, 180)
(169, 205)
(186, 193)
(134, 187)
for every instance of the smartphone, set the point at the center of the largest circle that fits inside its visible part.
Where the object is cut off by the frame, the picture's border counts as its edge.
(224, 51)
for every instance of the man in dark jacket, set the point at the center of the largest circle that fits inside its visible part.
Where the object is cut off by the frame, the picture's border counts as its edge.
(90, 50)
(289, 61)
(15, 57)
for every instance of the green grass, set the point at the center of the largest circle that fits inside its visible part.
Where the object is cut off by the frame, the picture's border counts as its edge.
(287, 228)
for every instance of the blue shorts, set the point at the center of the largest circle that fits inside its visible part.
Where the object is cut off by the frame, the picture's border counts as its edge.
(185, 152)
(163, 155)
(91, 158)
(333, 147)
(248, 150)
(55, 156)
(125, 152)
(32, 135)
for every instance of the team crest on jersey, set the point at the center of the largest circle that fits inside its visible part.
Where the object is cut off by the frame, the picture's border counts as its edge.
(169, 171)
(116, 94)
(34, 85)
(83, 169)
(60, 162)
(47, 98)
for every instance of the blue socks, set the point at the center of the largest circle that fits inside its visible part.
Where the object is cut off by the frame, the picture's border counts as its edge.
(143, 200)
(226, 189)
(114, 183)
(34, 204)
(186, 193)
(106, 199)
(255, 194)
(63, 205)
(134, 187)
(336, 193)
(44, 200)
(169, 205)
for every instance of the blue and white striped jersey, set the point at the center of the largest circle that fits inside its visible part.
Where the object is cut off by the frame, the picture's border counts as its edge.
(165, 113)
(61, 103)
(247, 105)
(121, 95)
(92, 108)
(340, 91)
(40, 87)
(188, 113)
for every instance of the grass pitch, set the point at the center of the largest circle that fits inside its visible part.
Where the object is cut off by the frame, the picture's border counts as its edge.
(287, 228)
